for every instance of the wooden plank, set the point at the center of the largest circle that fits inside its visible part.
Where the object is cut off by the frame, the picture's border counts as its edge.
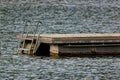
(76, 38)
(80, 35)
(105, 35)
(81, 38)
(54, 49)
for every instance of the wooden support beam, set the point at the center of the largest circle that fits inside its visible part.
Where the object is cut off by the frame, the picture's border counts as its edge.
(77, 50)
(54, 50)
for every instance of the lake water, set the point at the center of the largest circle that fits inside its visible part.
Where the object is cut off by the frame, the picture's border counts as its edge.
(57, 16)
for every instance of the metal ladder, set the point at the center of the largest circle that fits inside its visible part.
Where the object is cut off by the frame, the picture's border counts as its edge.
(21, 48)
(34, 41)
(37, 43)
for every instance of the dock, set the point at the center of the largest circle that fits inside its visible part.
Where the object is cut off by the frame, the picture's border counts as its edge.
(69, 44)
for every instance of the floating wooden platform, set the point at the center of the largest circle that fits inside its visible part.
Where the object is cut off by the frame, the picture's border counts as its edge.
(72, 44)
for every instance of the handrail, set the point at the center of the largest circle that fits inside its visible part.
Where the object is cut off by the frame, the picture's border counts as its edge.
(37, 40)
(25, 31)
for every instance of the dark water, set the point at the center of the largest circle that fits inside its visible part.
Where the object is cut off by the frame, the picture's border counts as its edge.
(57, 16)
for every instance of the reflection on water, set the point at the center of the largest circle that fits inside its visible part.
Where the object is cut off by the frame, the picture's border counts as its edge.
(58, 16)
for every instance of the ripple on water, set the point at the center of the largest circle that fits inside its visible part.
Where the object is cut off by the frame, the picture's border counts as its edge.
(85, 16)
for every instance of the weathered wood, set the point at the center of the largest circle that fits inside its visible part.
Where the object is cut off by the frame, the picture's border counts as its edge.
(75, 44)
(76, 38)
(54, 49)
(73, 50)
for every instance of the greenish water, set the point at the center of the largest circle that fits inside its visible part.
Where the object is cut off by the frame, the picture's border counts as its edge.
(57, 16)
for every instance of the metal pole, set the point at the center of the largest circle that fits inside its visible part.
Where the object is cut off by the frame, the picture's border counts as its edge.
(37, 39)
(25, 33)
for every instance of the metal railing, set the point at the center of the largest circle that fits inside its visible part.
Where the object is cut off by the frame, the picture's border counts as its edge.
(34, 39)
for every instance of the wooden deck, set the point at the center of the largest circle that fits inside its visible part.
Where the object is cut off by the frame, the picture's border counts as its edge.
(76, 44)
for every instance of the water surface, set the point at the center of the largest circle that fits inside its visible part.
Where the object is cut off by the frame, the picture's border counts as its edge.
(57, 16)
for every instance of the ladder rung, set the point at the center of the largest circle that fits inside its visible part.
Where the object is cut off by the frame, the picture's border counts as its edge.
(23, 49)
